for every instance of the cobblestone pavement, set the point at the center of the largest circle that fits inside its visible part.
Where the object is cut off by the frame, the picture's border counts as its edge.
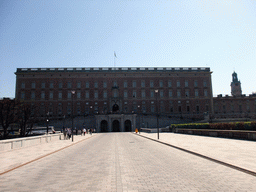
(18, 157)
(240, 153)
(124, 162)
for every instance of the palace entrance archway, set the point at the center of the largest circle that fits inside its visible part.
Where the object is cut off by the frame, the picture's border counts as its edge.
(116, 126)
(104, 126)
(127, 126)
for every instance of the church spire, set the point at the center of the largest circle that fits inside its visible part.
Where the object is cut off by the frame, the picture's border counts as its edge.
(235, 85)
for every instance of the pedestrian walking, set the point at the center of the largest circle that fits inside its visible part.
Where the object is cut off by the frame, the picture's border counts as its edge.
(65, 133)
(84, 130)
(69, 133)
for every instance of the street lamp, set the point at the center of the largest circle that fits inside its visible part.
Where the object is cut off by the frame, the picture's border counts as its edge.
(63, 122)
(157, 124)
(139, 117)
(73, 93)
(47, 120)
(91, 112)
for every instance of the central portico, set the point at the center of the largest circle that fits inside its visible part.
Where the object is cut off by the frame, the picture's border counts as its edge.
(116, 123)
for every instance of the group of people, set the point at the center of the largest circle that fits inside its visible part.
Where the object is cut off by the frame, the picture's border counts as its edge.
(87, 131)
(68, 132)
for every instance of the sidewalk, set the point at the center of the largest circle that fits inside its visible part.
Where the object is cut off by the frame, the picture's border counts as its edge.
(238, 153)
(15, 158)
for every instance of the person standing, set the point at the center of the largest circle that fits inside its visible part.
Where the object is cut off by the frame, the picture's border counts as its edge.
(69, 133)
(64, 133)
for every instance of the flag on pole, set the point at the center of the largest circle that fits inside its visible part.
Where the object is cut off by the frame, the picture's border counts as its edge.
(115, 54)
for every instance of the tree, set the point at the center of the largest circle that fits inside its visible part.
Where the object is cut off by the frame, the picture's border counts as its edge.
(7, 113)
(25, 118)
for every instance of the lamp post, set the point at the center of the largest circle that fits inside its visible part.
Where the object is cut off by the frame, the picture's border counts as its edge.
(63, 122)
(91, 112)
(157, 123)
(139, 117)
(47, 120)
(73, 93)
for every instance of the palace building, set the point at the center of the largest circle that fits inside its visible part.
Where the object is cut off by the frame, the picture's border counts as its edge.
(116, 99)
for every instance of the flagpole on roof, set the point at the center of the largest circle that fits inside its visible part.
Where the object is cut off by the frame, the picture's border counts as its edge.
(115, 60)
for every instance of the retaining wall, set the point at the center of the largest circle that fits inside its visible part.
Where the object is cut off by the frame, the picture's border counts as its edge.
(9, 144)
(237, 134)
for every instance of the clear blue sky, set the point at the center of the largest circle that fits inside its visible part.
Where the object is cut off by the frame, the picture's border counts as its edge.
(174, 33)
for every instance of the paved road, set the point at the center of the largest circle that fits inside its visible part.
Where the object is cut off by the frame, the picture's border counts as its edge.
(124, 162)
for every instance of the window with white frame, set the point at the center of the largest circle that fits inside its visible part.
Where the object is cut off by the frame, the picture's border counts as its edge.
(51, 95)
(142, 83)
(78, 85)
(170, 93)
(186, 83)
(22, 96)
(178, 93)
(152, 93)
(178, 83)
(69, 85)
(78, 109)
(105, 94)
(169, 83)
(125, 94)
(151, 83)
(78, 95)
(161, 83)
(161, 93)
(33, 95)
(22, 85)
(42, 95)
(196, 93)
(95, 84)
(59, 108)
(152, 108)
(134, 84)
(95, 94)
(60, 95)
(187, 93)
(195, 83)
(104, 84)
(134, 94)
(205, 93)
(143, 93)
(205, 83)
(125, 84)
(43, 85)
(87, 95)
(87, 84)
(69, 95)
(51, 85)
(33, 85)
(69, 108)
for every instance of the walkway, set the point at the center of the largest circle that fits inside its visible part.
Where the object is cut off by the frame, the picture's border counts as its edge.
(16, 158)
(239, 153)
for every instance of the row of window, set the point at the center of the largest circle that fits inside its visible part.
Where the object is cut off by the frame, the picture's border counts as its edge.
(77, 94)
(104, 109)
(233, 108)
(125, 84)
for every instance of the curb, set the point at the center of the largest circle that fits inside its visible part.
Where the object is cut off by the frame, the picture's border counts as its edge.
(203, 156)
(40, 157)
